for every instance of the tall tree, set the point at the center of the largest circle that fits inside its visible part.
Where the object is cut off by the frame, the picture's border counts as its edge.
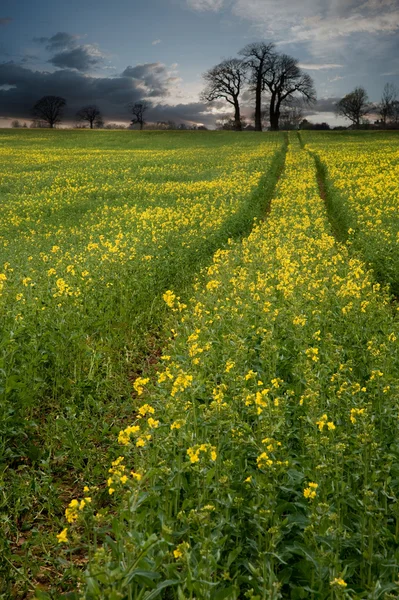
(91, 114)
(354, 106)
(49, 109)
(285, 80)
(138, 110)
(388, 100)
(226, 81)
(257, 57)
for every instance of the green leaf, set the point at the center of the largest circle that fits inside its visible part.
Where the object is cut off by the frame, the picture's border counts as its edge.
(147, 576)
(230, 592)
(161, 586)
(233, 555)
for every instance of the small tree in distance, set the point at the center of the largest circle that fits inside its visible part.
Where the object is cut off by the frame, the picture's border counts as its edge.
(354, 106)
(49, 109)
(388, 101)
(91, 114)
(138, 110)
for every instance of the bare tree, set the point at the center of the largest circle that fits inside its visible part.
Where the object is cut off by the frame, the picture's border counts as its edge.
(138, 110)
(257, 57)
(226, 81)
(15, 124)
(49, 109)
(354, 106)
(285, 80)
(388, 100)
(91, 114)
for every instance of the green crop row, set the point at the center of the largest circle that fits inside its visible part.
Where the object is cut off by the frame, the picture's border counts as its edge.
(361, 174)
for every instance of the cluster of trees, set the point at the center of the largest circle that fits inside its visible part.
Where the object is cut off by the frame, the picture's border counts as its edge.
(16, 123)
(262, 71)
(49, 111)
(356, 105)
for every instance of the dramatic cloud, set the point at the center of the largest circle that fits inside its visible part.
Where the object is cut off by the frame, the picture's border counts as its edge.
(5, 20)
(59, 41)
(153, 79)
(69, 54)
(194, 112)
(20, 88)
(203, 5)
(81, 58)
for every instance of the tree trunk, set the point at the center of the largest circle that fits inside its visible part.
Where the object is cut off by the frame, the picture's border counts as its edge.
(274, 126)
(258, 102)
(91, 124)
(237, 115)
(51, 125)
(141, 125)
(274, 114)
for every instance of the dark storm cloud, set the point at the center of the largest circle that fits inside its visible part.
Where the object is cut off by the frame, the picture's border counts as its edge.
(5, 20)
(59, 41)
(21, 87)
(81, 58)
(155, 78)
(195, 112)
(67, 53)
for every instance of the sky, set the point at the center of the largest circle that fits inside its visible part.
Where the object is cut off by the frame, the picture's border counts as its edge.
(115, 53)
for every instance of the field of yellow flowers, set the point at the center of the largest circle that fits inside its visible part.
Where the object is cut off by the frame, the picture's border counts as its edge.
(362, 182)
(92, 232)
(250, 450)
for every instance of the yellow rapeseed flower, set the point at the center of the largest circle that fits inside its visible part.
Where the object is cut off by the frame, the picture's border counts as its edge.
(63, 536)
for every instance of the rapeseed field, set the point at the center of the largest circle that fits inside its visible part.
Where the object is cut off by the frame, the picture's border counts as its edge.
(249, 437)
(363, 182)
(92, 233)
